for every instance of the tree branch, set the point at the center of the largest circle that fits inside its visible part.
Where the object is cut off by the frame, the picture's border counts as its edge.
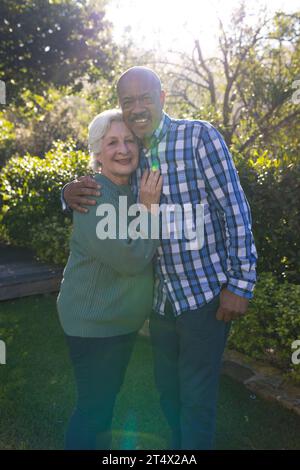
(269, 129)
(210, 77)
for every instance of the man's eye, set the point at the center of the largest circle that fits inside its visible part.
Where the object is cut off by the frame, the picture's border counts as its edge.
(147, 99)
(112, 143)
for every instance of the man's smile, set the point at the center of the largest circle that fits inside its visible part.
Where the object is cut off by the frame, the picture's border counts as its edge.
(140, 120)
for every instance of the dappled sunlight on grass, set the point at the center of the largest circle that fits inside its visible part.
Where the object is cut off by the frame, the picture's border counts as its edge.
(37, 393)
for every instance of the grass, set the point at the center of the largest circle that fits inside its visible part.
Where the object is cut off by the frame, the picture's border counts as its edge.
(37, 393)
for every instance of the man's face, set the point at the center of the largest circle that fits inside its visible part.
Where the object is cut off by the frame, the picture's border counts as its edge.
(142, 103)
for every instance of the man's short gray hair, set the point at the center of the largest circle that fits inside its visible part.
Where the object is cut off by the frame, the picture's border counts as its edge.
(97, 130)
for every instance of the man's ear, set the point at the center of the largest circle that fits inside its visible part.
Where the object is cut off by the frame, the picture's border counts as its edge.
(162, 98)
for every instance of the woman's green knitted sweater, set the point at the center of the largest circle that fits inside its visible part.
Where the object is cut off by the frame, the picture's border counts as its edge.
(107, 286)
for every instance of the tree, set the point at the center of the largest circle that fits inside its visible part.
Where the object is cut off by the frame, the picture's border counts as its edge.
(56, 42)
(246, 89)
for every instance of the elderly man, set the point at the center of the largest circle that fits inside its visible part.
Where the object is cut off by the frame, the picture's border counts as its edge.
(198, 289)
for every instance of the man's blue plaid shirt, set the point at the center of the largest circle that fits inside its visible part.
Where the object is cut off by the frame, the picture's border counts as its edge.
(198, 168)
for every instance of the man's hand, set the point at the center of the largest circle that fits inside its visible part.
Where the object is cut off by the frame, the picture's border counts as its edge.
(232, 306)
(75, 193)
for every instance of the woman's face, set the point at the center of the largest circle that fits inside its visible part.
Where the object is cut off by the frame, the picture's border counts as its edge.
(119, 153)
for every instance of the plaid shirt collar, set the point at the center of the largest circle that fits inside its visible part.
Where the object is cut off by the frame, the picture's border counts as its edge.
(159, 132)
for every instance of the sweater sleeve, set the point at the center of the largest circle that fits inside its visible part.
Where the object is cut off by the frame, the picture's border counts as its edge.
(125, 254)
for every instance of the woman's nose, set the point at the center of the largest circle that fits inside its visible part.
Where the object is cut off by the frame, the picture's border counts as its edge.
(123, 148)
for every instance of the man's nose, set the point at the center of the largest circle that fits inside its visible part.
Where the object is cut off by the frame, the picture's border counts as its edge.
(138, 106)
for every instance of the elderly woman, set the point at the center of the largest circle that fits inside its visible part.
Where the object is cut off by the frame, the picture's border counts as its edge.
(107, 287)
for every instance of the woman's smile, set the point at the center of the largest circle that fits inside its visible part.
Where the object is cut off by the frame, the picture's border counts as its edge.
(124, 161)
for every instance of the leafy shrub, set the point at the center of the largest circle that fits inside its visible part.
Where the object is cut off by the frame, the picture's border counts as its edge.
(31, 209)
(50, 239)
(7, 138)
(54, 115)
(51, 117)
(273, 188)
(271, 325)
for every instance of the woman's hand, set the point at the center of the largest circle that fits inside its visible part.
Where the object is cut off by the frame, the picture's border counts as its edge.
(150, 191)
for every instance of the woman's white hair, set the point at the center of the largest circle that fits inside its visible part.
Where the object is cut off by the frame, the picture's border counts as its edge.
(97, 130)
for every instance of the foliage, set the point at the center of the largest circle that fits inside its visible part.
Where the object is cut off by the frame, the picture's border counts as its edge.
(50, 239)
(246, 89)
(7, 137)
(44, 119)
(272, 186)
(271, 325)
(31, 209)
(56, 42)
(53, 115)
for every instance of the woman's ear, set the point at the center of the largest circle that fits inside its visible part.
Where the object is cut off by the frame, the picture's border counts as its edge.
(98, 157)
(97, 162)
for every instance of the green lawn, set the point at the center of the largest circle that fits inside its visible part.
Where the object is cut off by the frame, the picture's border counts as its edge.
(37, 393)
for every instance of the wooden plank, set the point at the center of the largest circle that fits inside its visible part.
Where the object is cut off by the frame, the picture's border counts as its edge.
(22, 275)
(28, 276)
(30, 288)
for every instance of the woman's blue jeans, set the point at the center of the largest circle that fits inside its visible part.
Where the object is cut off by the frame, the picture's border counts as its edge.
(99, 368)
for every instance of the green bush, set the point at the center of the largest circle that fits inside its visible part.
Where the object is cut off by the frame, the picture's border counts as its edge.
(272, 187)
(7, 138)
(50, 239)
(271, 325)
(52, 116)
(31, 212)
